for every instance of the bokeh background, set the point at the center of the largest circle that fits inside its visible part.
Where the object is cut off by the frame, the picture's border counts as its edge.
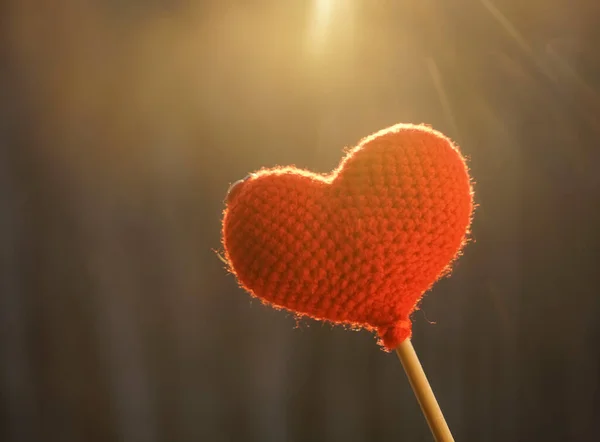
(124, 122)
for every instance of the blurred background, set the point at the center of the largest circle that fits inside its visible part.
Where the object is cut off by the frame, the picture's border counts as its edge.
(124, 122)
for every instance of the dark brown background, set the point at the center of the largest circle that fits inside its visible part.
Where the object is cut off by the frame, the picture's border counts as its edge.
(122, 124)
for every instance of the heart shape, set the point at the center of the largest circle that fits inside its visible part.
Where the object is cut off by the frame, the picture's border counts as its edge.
(361, 245)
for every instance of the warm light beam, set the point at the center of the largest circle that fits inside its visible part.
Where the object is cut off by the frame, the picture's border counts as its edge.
(319, 26)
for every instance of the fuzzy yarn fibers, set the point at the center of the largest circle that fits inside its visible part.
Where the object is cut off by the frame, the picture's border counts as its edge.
(360, 245)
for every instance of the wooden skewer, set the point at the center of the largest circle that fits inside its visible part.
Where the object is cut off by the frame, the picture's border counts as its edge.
(423, 392)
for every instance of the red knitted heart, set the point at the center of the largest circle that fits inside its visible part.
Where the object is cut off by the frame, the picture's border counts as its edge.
(360, 245)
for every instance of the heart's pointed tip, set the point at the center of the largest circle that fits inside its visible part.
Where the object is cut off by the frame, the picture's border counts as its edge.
(391, 336)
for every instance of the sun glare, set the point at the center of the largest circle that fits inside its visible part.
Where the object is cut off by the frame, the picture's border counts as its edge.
(320, 24)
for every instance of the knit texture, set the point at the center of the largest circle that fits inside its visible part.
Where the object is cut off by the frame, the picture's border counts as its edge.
(360, 245)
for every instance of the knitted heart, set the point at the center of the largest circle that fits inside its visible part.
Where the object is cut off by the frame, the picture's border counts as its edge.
(360, 245)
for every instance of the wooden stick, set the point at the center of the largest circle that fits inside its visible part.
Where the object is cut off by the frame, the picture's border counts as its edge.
(423, 392)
